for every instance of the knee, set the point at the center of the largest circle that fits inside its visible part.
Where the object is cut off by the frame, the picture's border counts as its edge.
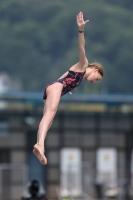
(49, 116)
(50, 124)
(46, 120)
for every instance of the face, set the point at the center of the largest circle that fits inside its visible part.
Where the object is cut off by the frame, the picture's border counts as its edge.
(94, 76)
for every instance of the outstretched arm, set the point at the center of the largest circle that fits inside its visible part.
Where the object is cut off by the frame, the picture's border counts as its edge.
(83, 62)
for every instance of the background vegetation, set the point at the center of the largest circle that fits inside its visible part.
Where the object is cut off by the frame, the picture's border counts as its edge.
(38, 41)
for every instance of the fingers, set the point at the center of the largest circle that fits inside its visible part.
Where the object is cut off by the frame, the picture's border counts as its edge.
(80, 17)
(86, 21)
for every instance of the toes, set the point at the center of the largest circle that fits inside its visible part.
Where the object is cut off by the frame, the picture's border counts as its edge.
(40, 157)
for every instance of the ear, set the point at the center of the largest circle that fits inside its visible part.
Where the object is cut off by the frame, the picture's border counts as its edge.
(95, 69)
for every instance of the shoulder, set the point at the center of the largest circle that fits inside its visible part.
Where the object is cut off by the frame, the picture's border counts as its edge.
(78, 67)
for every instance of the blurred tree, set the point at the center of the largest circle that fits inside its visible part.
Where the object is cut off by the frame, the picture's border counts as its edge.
(38, 41)
(126, 4)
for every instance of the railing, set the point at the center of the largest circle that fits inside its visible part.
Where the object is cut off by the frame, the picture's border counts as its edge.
(13, 178)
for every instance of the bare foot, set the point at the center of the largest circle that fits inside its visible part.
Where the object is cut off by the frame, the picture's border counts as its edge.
(38, 153)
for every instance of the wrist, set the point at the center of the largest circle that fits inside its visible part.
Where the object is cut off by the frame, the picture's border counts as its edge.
(81, 31)
(81, 28)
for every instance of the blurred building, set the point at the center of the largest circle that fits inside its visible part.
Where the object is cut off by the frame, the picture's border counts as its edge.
(7, 83)
(96, 128)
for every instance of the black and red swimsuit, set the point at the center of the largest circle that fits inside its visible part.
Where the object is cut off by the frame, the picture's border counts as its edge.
(70, 81)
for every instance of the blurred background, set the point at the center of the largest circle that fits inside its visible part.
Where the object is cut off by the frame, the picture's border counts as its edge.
(89, 146)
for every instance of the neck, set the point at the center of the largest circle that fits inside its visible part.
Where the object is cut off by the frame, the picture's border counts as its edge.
(88, 72)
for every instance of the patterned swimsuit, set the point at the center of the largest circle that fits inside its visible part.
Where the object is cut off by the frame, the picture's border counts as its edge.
(69, 82)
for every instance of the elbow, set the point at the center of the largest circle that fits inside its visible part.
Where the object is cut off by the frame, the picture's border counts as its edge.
(81, 47)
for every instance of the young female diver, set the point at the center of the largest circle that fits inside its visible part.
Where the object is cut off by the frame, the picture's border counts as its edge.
(72, 78)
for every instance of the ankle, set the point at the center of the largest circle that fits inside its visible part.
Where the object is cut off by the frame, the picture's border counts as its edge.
(39, 144)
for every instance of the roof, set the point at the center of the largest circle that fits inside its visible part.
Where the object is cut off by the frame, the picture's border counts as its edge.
(36, 97)
(30, 100)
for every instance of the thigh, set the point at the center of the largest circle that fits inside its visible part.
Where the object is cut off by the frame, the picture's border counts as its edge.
(53, 97)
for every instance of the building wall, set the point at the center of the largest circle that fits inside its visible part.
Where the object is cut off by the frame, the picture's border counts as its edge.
(87, 128)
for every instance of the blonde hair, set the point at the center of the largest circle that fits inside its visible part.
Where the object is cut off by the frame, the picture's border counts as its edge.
(98, 66)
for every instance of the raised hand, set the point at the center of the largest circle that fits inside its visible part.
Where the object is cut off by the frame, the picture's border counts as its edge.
(80, 21)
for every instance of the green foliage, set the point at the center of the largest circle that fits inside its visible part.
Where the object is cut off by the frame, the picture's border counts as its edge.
(38, 41)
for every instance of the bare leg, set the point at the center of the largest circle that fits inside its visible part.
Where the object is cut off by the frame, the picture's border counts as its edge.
(51, 105)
